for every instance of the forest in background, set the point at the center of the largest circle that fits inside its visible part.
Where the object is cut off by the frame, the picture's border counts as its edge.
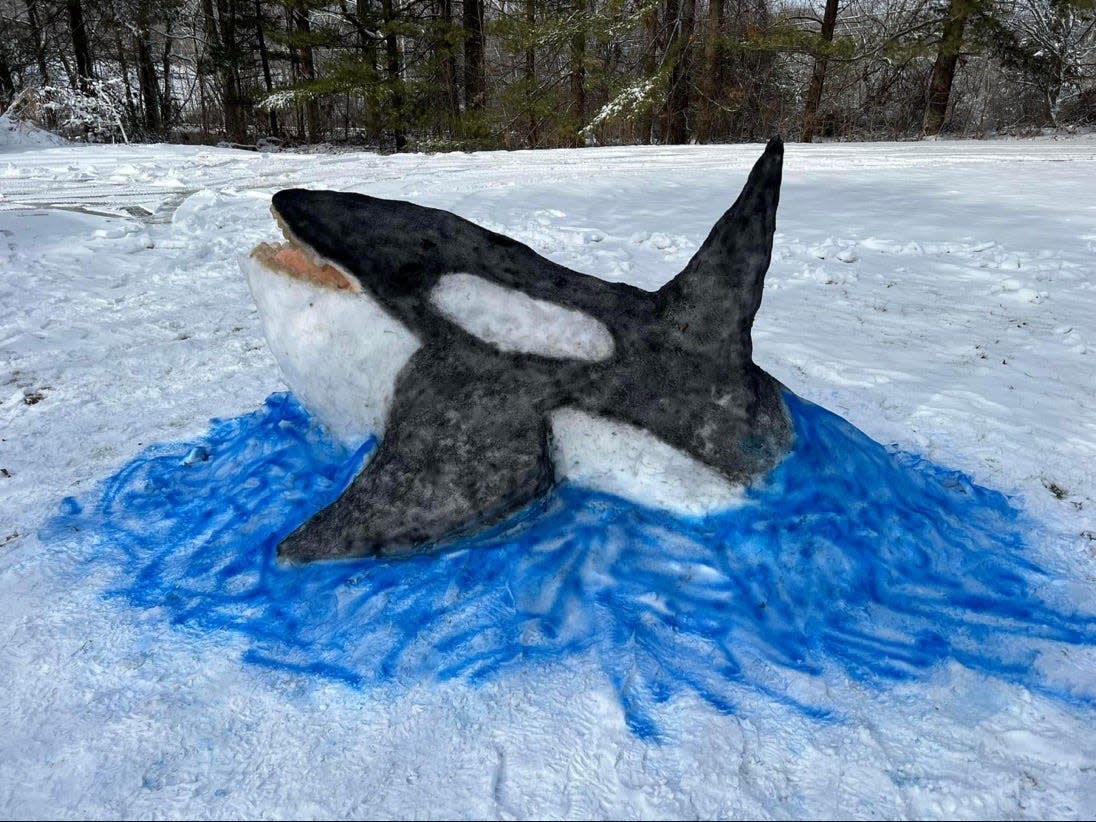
(444, 74)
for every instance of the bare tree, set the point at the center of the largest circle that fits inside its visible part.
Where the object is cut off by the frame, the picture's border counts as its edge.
(680, 59)
(818, 75)
(475, 81)
(578, 65)
(36, 31)
(1056, 41)
(943, 70)
(81, 47)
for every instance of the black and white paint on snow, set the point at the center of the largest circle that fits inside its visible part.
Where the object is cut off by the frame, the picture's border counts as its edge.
(489, 371)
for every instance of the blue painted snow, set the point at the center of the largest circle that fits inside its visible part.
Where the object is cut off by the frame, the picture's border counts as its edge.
(849, 556)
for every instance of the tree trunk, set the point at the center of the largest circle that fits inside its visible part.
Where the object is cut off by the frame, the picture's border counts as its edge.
(51, 33)
(210, 61)
(80, 46)
(677, 103)
(943, 70)
(36, 40)
(1053, 93)
(235, 121)
(448, 81)
(147, 80)
(295, 74)
(818, 76)
(204, 107)
(264, 57)
(392, 64)
(646, 124)
(578, 68)
(475, 83)
(366, 43)
(7, 84)
(308, 71)
(167, 95)
(123, 65)
(713, 68)
(212, 38)
(530, 75)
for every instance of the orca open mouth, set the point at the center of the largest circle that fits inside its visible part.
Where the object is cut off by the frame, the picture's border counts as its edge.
(296, 259)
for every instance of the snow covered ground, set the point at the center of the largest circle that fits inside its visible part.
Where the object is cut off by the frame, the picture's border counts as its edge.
(939, 296)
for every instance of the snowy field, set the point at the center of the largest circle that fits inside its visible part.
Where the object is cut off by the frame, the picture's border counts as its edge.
(939, 296)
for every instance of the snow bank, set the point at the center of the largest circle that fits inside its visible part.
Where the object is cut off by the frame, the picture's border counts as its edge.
(18, 135)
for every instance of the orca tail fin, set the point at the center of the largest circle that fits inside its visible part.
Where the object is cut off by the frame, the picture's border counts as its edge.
(717, 295)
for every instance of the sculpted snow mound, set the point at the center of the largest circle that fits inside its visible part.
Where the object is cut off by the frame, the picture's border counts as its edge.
(517, 352)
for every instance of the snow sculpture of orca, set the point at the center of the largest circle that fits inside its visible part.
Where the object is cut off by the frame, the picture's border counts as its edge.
(488, 370)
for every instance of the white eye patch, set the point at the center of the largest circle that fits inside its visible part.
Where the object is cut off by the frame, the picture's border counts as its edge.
(513, 321)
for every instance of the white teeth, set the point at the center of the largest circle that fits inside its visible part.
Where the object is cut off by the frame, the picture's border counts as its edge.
(267, 255)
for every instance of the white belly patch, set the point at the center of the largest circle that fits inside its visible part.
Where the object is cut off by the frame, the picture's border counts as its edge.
(612, 456)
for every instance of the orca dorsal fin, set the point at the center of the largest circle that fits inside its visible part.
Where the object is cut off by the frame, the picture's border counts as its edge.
(717, 295)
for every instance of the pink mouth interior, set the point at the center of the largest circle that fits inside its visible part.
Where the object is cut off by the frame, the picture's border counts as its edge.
(290, 260)
(293, 259)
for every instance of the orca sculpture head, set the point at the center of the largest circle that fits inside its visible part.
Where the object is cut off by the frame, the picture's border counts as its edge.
(488, 371)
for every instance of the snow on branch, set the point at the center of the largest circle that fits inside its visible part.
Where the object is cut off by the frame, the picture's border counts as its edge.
(94, 115)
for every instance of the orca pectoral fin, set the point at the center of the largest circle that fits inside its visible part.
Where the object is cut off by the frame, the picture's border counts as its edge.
(447, 464)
